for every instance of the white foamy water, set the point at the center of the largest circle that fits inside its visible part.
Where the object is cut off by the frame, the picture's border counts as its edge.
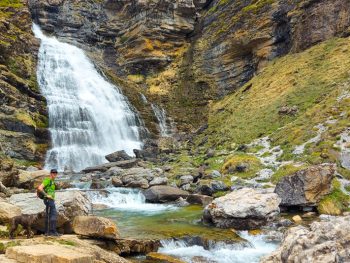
(128, 199)
(220, 252)
(164, 128)
(88, 116)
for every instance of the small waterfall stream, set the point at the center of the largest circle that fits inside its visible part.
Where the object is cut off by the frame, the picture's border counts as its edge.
(88, 116)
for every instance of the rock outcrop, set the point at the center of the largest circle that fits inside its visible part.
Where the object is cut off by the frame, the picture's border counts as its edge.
(243, 209)
(326, 241)
(306, 187)
(69, 204)
(23, 117)
(95, 227)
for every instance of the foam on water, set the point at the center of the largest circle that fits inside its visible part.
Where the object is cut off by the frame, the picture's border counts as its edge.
(128, 199)
(88, 116)
(221, 252)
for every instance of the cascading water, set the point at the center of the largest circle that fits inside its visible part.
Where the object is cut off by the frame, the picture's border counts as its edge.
(164, 129)
(88, 116)
(221, 252)
(127, 199)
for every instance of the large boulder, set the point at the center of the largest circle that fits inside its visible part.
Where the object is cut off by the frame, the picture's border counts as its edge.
(323, 242)
(94, 226)
(7, 211)
(163, 193)
(69, 204)
(306, 187)
(118, 156)
(31, 179)
(243, 209)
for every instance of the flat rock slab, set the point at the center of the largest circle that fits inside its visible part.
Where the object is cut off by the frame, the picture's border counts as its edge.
(104, 167)
(4, 259)
(47, 253)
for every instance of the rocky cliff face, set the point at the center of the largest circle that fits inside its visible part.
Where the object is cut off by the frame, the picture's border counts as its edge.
(184, 53)
(23, 121)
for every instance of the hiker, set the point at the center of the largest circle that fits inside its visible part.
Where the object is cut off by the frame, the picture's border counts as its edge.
(47, 191)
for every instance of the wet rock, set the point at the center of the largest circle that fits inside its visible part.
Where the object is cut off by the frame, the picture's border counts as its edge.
(243, 209)
(325, 241)
(181, 202)
(162, 193)
(114, 171)
(68, 204)
(116, 182)
(159, 181)
(158, 257)
(96, 184)
(139, 183)
(186, 179)
(306, 187)
(203, 200)
(132, 246)
(118, 156)
(95, 227)
(104, 167)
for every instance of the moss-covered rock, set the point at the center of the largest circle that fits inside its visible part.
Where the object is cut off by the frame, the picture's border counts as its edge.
(336, 202)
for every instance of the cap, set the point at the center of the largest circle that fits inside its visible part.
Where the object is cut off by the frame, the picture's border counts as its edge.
(53, 171)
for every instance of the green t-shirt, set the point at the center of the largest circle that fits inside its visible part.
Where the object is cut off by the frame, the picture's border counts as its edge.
(49, 188)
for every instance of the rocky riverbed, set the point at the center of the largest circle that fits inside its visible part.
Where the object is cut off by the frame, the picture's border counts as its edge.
(133, 208)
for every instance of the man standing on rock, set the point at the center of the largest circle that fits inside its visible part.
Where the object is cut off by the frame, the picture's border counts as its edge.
(47, 188)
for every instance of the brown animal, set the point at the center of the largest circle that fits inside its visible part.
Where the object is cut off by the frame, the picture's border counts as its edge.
(26, 221)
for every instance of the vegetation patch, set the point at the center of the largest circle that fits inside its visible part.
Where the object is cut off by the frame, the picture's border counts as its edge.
(336, 202)
(242, 165)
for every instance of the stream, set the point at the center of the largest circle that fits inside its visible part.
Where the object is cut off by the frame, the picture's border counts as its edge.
(178, 228)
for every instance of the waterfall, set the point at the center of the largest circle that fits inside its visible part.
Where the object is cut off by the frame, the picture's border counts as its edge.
(88, 116)
(164, 129)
